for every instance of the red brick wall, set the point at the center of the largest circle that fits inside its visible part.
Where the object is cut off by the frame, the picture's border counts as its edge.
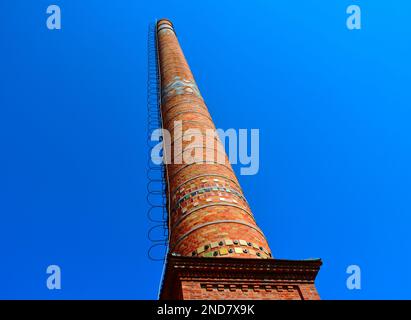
(207, 289)
(193, 278)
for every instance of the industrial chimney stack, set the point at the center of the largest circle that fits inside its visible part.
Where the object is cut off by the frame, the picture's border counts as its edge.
(216, 248)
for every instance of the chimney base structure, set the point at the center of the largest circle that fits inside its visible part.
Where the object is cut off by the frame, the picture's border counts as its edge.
(216, 249)
(188, 278)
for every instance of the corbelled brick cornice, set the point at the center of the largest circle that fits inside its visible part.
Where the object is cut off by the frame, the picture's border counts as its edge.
(238, 272)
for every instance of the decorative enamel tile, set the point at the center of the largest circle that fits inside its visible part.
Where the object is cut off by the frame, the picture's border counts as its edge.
(243, 242)
(200, 249)
(223, 251)
(214, 244)
(238, 250)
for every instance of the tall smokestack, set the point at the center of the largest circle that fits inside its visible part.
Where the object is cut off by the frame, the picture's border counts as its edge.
(216, 249)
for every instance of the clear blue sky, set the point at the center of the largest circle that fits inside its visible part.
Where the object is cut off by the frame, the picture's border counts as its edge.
(332, 106)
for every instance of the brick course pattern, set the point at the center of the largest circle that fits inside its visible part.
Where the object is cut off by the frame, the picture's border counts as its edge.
(209, 216)
(207, 204)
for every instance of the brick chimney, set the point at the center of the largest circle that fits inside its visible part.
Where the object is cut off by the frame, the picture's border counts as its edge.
(216, 248)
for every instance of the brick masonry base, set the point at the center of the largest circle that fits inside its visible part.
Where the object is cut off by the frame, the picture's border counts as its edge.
(198, 278)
